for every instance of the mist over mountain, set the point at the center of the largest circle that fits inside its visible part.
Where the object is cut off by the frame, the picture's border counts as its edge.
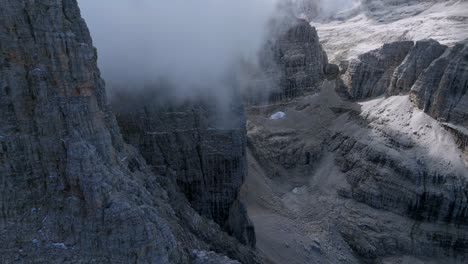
(234, 132)
(193, 44)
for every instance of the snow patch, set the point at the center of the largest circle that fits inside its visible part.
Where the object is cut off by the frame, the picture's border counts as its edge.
(426, 139)
(445, 22)
(277, 116)
(60, 245)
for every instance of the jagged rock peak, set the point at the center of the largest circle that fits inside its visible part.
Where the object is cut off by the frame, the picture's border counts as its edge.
(370, 74)
(422, 54)
(433, 74)
(71, 190)
(441, 90)
(195, 144)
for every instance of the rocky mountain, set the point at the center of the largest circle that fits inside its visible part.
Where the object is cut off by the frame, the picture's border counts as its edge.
(421, 55)
(194, 143)
(441, 90)
(72, 190)
(292, 63)
(355, 172)
(370, 74)
(433, 75)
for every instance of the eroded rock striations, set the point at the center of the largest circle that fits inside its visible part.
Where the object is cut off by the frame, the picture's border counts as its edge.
(71, 189)
(435, 77)
(371, 172)
(293, 61)
(393, 169)
(203, 144)
(370, 74)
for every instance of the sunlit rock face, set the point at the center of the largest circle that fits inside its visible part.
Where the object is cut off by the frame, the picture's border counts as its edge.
(381, 21)
(390, 155)
(379, 155)
(370, 171)
(441, 90)
(421, 55)
(72, 190)
(433, 74)
(370, 74)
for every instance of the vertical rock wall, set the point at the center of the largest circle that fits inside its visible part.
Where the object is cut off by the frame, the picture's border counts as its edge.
(200, 144)
(422, 54)
(370, 74)
(71, 190)
(435, 77)
(293, 62)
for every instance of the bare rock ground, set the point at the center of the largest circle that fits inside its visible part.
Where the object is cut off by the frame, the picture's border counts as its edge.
(304, 202)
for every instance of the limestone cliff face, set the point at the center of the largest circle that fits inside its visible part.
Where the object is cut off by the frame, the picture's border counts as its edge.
(421, 55)
(389, 177)
(435, 77)
(400, 175)
(203, 145)
(441, 90)
(294, 62)
(370, 74)
(71, 189)
(372, 172)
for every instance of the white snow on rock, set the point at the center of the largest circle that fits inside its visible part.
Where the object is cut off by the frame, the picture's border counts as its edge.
(425, 137)
(359, 30)
(277, 116)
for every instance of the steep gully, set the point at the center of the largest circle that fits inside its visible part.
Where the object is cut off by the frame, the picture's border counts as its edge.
(72, 190)
(320, 178)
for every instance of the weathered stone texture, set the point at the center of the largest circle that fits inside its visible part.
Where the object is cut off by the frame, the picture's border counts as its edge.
(370, 74)
(441, 90)
(71, 190)
(294, 61)
(419, 58)
(203, 145)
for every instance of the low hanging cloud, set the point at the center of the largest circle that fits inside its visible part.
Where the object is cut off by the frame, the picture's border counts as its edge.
(185, 48)
(193, 44)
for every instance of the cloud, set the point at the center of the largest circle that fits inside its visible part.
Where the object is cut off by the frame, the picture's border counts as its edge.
(192, 43)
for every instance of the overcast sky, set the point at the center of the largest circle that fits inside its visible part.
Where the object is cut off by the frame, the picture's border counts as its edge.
(191, 41)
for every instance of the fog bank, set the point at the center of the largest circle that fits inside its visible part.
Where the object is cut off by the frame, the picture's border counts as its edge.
(193, 46)
(191, 43)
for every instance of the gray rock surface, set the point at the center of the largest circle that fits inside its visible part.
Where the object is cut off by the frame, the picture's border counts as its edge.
(401, 176)
(366, 179)
(374, 181)
(294, 61)
(435, 77)
(441, 91)
(71, 190)
(201, 144)
(422, 54)
(370, 74)
(332, 71)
